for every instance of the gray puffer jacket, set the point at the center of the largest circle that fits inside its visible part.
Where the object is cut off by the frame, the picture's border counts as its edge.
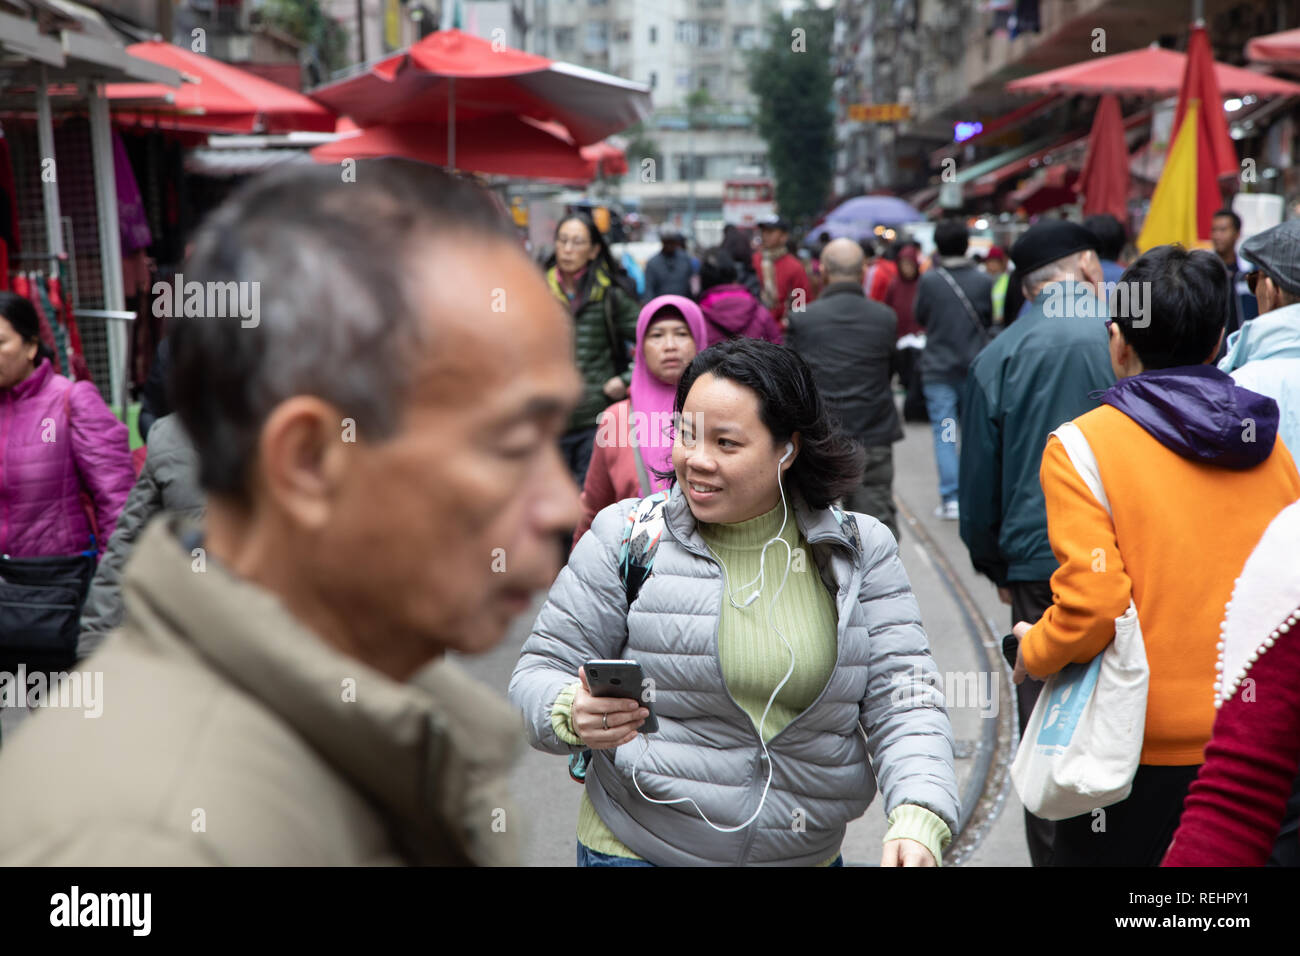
(168, 482)
(884, 687)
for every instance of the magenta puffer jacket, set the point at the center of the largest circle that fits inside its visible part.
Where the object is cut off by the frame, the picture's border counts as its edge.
(46, 461)
(733, 313)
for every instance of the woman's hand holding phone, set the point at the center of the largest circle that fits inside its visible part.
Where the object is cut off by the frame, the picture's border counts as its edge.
(591, 715)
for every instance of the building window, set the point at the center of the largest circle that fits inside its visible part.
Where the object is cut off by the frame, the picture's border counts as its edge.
(564, 38)
(623, 33)
(654, 35)
(597, 39)
(686, 32)
(654, 79)
(597, 3)
(710, 35)
(744, 38)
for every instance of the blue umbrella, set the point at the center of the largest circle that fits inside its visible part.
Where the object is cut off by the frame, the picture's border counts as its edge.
(858, 218)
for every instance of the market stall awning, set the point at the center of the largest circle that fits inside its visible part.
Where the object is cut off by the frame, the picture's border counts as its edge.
(1153, 71)
(497, 145)
(221, 98)
(1281, 47)
(452, 77)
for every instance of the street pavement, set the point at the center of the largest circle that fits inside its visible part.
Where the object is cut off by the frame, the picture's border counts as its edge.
(547, 799)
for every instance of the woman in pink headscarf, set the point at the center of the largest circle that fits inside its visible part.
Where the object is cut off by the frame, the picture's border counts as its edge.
(634, 437)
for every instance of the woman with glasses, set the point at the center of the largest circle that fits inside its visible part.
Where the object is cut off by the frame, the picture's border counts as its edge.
(583, 277)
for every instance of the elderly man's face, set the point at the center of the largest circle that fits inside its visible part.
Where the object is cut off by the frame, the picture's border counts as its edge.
(444, 532)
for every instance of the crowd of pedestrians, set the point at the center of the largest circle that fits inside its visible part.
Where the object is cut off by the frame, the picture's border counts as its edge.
(378, 473)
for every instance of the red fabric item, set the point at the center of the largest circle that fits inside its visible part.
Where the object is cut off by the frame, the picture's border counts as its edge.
(1281, 47)
(226, 98)
(412, 87)
(790, 275)
(1149, 72)
(1215, 154)
(884, 273)
(7, 185)
(901, 297)
(138, 456)
(501, 145)
(47, 331)
(63, 309)
(611, 476)
(1104, 182)
(4, 266)
(1235, 806)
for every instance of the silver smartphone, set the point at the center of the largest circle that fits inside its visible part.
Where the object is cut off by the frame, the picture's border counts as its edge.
(623, 679)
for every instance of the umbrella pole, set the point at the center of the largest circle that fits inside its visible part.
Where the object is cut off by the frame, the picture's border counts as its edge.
(451, 124)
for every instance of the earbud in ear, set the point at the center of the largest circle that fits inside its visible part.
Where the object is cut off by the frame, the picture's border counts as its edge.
(789, 450)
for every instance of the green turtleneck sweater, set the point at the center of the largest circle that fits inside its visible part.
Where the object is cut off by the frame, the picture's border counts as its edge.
(754, 659)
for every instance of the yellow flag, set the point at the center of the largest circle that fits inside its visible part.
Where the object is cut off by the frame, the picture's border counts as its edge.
(1172, 217)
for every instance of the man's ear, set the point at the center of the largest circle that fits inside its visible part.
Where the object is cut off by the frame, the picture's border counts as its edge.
(302, 457)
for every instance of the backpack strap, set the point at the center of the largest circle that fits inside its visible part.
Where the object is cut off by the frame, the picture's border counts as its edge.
(636, 555)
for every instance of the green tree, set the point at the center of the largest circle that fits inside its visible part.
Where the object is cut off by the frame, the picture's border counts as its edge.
(305, 21)
(791, 77)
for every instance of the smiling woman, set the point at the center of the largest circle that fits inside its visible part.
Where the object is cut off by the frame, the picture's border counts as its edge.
(816, 633)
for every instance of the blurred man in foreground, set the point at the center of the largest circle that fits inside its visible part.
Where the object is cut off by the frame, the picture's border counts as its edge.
(379, 452)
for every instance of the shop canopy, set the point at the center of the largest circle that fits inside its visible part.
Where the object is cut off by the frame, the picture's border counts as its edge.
(220, 99)
(1153, 72)
(493, 145)
(452, 78)
(1280, 48)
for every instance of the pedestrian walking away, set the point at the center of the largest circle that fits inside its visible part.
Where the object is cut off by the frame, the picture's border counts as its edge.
(954, 306)
(1178, 468)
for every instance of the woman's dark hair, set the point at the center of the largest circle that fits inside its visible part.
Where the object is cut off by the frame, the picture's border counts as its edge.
(21, 314)
(604, 258)
(739, 245)
(1177, 302)
(829, 464)
(717, 268)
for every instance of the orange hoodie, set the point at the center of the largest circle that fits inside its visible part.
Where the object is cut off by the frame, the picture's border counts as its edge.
(1181, 532)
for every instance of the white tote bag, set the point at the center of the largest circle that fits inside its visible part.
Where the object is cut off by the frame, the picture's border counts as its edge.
(1081, 747)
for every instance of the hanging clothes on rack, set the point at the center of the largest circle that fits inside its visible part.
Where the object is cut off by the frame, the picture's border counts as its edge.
(63, 308)
(25, 285)
(8, 203)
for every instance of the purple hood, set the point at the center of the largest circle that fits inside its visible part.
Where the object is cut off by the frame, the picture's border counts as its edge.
(1200, 413)
(732, 311)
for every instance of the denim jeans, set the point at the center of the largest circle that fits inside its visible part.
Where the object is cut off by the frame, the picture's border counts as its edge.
(943, 402)
(589, 857)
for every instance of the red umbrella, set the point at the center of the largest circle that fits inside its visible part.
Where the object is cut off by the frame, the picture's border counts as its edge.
(450, 77)
(225, 98)
(1153, 71)
(1281, 47)
(500, 145)
(1104, 181)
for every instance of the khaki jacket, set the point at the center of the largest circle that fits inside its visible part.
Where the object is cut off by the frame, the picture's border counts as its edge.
(230, 734)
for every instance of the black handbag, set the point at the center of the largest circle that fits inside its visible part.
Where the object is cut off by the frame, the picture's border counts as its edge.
(40, 610)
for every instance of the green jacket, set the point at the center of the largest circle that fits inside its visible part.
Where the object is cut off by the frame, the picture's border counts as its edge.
(591, 341)
(1037, 375)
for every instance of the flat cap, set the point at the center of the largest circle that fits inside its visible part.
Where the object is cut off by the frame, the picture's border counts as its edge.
(1276, 251)
(1045, 242)
(774, 222)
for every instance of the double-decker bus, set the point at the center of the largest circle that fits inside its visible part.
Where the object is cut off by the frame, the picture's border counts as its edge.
(746, 201)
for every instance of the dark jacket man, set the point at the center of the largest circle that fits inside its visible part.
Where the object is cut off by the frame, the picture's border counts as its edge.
(848, 342)
(1033, 377)
(951, 339)
(669, 271)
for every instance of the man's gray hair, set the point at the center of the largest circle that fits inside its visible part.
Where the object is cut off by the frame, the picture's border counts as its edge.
(336, 270)
(1062, 268)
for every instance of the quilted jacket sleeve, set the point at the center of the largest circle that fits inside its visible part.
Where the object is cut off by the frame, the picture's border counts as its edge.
(908, 732)
(103, 455)
(584, 618)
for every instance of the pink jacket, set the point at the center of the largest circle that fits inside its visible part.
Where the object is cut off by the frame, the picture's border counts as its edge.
(46, 461)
